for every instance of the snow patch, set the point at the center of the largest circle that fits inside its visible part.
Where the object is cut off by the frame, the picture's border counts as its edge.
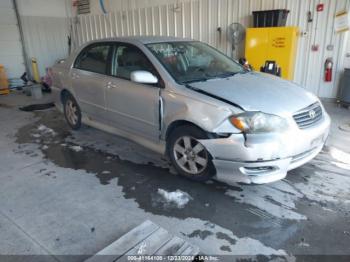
(105, 172)
(46, 130)
(178, 197)
(304, 244)
(328, 209)
(76, 148)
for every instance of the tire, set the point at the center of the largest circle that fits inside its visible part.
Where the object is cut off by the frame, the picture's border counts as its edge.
(189, 157)
(72, 112)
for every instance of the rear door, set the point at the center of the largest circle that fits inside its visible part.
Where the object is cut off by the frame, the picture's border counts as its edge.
(131, 106)
(89, 80)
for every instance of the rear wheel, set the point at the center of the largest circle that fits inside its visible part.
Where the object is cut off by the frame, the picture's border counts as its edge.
(72, 112)
(188, 155)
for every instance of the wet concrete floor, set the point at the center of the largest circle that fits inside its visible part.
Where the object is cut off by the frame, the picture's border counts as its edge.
(308, 213)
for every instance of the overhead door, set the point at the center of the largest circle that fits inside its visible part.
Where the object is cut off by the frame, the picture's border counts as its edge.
(10, 41)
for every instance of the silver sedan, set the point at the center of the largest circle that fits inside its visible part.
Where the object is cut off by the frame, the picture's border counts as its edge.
(185, 99)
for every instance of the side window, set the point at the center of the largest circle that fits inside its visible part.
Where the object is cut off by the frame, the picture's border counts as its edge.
(127, 59)
(93, 59)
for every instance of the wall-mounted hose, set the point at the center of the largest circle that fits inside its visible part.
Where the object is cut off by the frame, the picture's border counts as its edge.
(102, 5)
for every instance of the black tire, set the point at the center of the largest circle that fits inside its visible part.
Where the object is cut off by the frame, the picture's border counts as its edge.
(175, 137)
(68, 103)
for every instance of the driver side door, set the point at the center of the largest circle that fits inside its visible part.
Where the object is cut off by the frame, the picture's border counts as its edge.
(132, 107)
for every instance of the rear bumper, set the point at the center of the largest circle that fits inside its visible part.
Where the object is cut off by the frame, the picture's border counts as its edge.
(265, 158)
(56, 93)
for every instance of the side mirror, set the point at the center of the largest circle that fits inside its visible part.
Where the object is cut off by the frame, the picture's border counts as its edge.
(143, 77)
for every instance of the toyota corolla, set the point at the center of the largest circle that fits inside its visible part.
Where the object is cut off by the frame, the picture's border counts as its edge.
(183, 98)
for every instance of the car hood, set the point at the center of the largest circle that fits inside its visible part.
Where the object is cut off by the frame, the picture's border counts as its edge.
(259, 92)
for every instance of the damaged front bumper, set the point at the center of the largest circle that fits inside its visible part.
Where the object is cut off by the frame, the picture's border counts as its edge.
(265, 158)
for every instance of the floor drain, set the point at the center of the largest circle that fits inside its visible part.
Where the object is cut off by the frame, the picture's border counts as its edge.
(345, 127)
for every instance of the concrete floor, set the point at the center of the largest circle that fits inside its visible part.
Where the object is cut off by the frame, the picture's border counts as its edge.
(69, 194)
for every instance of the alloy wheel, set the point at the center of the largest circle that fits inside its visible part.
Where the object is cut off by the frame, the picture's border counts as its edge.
(190, 155)
(72, 112)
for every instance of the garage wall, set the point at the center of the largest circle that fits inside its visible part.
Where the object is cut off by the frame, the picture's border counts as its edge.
(113, 5)
(199, 19)
(347, 55)
(10, 41)
(45, 25)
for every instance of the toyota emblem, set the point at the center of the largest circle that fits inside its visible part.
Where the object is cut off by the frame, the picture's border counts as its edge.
(312, 114)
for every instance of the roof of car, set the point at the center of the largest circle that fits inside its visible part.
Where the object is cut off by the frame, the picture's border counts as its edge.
(146, 39)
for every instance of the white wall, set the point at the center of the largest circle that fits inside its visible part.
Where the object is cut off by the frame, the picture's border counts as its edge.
(45, 25)
(199, 19)
(48, 8)
(118, 5)
(11, 56)
(347, 55)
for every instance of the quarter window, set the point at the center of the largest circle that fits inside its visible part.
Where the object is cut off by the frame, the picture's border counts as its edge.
(94, 59)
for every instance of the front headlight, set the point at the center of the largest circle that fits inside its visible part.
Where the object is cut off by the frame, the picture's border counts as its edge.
(258, 122)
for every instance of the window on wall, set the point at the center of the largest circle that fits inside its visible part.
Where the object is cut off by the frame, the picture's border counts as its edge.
(83, 7)
(94, 59)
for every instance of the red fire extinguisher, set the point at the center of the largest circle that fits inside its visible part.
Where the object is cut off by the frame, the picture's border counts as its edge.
(328, 65)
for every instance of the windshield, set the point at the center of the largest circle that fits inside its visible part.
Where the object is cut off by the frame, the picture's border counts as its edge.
(194, 61)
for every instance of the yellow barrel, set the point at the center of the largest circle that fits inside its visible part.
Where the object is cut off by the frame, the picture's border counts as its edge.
(35, 70)
(4, 83)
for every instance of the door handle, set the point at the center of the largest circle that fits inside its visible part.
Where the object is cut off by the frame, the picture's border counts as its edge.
(75, 76)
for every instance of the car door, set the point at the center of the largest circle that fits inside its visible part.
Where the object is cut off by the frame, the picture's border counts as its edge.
(131, 106)
(89, 80)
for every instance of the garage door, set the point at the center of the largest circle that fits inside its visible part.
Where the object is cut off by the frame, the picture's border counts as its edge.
(10, 42)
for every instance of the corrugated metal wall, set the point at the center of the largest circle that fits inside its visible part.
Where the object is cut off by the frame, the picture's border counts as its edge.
(11, 56)
(199, 19)
(45, 39)
(45, 25)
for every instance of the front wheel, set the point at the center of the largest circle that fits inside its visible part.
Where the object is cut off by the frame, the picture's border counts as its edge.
(72, 112)
(189, 157)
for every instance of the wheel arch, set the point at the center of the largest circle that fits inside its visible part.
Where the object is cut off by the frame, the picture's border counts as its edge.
(64, 93)
(178, 123)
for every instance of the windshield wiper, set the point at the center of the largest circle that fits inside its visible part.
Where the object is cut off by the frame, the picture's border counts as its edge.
(196, 80)
(224, 75)
(228, 74)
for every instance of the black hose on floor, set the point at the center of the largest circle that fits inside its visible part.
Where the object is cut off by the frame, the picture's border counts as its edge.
(37, 107)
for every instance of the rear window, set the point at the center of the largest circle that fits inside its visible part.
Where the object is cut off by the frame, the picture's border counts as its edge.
(94, 59)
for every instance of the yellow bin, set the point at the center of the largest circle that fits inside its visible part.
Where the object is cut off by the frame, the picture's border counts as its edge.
(272, 43)
(4, 83)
